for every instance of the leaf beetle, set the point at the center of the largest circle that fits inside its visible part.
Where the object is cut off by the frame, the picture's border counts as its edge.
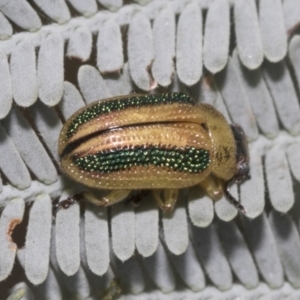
(160, 143)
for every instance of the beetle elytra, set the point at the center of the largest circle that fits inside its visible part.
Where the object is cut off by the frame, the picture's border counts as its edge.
(161, 143)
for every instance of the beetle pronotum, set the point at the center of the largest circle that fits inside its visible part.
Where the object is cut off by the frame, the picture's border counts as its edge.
(161, 143)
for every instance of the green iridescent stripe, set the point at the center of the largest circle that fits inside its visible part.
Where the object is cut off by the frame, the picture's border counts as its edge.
(105, 107)
(188, 159)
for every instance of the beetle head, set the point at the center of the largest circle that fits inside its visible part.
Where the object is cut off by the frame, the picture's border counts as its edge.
(242, 154)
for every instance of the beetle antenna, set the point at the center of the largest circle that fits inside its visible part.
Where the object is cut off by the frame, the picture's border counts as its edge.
(232, 200)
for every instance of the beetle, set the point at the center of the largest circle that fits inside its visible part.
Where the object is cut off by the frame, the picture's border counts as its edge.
(161, 143)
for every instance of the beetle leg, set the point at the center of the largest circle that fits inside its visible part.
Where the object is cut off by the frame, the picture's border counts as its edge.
(111, 198)
(56, 206)
(213, 187)
(167, 202)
